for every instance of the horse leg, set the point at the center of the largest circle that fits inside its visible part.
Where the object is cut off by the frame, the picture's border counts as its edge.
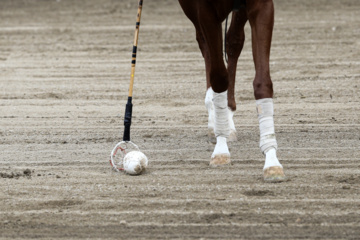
(261, 17)
(235, 38)
(209, 93)
(211, 31)
(207, 21)
(190, 10)
(234, 45)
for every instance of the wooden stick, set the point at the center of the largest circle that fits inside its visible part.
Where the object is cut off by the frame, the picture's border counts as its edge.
(129, 105)
(136, 38)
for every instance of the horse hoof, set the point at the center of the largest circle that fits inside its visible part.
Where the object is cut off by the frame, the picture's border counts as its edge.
(211, 135)
(232, 137)
(274, 174)
(220, 160)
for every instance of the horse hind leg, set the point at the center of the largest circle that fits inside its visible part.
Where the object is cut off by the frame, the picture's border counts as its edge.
(204, 48)
(211, 114)
(209, 93)
(235, 38)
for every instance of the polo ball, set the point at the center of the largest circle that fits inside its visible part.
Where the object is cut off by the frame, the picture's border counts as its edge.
(135, 162)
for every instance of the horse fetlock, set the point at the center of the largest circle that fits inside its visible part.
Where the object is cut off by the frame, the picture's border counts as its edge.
(231, 138)
(221, 115)
(265, 110)
(211, 125)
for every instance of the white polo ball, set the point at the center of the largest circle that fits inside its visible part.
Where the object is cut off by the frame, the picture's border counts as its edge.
(135, 162)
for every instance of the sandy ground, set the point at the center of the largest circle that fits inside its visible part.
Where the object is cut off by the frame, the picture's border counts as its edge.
(64, 75)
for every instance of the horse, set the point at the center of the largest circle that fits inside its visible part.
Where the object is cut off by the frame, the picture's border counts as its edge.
(207, 17)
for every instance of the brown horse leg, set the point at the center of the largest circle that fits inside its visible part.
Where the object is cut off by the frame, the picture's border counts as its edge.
(261, 17)
(190, 9)
(209, 38)
(207, 20)
(235, 38)
(209, 93)
(205, 53)
(211, 30)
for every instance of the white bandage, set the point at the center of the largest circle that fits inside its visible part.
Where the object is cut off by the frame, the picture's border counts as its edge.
(221, 114)
(221, 147)
(265, 110)
(271, 159)
(231, 121)
(210, 107)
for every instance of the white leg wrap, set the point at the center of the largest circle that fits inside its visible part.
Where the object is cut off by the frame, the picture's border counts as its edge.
(221, 114)
(210, 107)
(265, 110)
(271, 159)
(221, 129)
(231, 121)
(221, 147)
(211, 117)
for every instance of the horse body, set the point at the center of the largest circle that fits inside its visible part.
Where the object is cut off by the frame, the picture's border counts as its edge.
(207, 17)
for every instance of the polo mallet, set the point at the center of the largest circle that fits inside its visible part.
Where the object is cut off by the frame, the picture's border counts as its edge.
(126, 146)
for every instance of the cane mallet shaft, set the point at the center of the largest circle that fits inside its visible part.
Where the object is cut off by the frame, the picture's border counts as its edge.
(129, 105)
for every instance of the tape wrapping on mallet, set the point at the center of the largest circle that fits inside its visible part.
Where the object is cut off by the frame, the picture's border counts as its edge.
(127, 119)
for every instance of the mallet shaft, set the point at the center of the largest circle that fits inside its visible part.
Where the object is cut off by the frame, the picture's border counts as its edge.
(128, 109)
(136, 39)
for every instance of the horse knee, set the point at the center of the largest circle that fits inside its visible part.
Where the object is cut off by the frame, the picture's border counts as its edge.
(263, 88)
(219, 80)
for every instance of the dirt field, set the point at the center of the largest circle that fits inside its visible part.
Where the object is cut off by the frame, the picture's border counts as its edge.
(64, 75)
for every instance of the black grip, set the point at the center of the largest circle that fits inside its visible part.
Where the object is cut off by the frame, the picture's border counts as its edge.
(127, 120)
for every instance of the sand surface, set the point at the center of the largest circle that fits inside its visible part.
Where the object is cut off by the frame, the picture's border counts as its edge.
(64, 76)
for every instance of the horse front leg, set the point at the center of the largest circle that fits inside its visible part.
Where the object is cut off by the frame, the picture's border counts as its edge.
(207, 21)
(235, 38)
(261, 17)
(218, 78)
(234, 45)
